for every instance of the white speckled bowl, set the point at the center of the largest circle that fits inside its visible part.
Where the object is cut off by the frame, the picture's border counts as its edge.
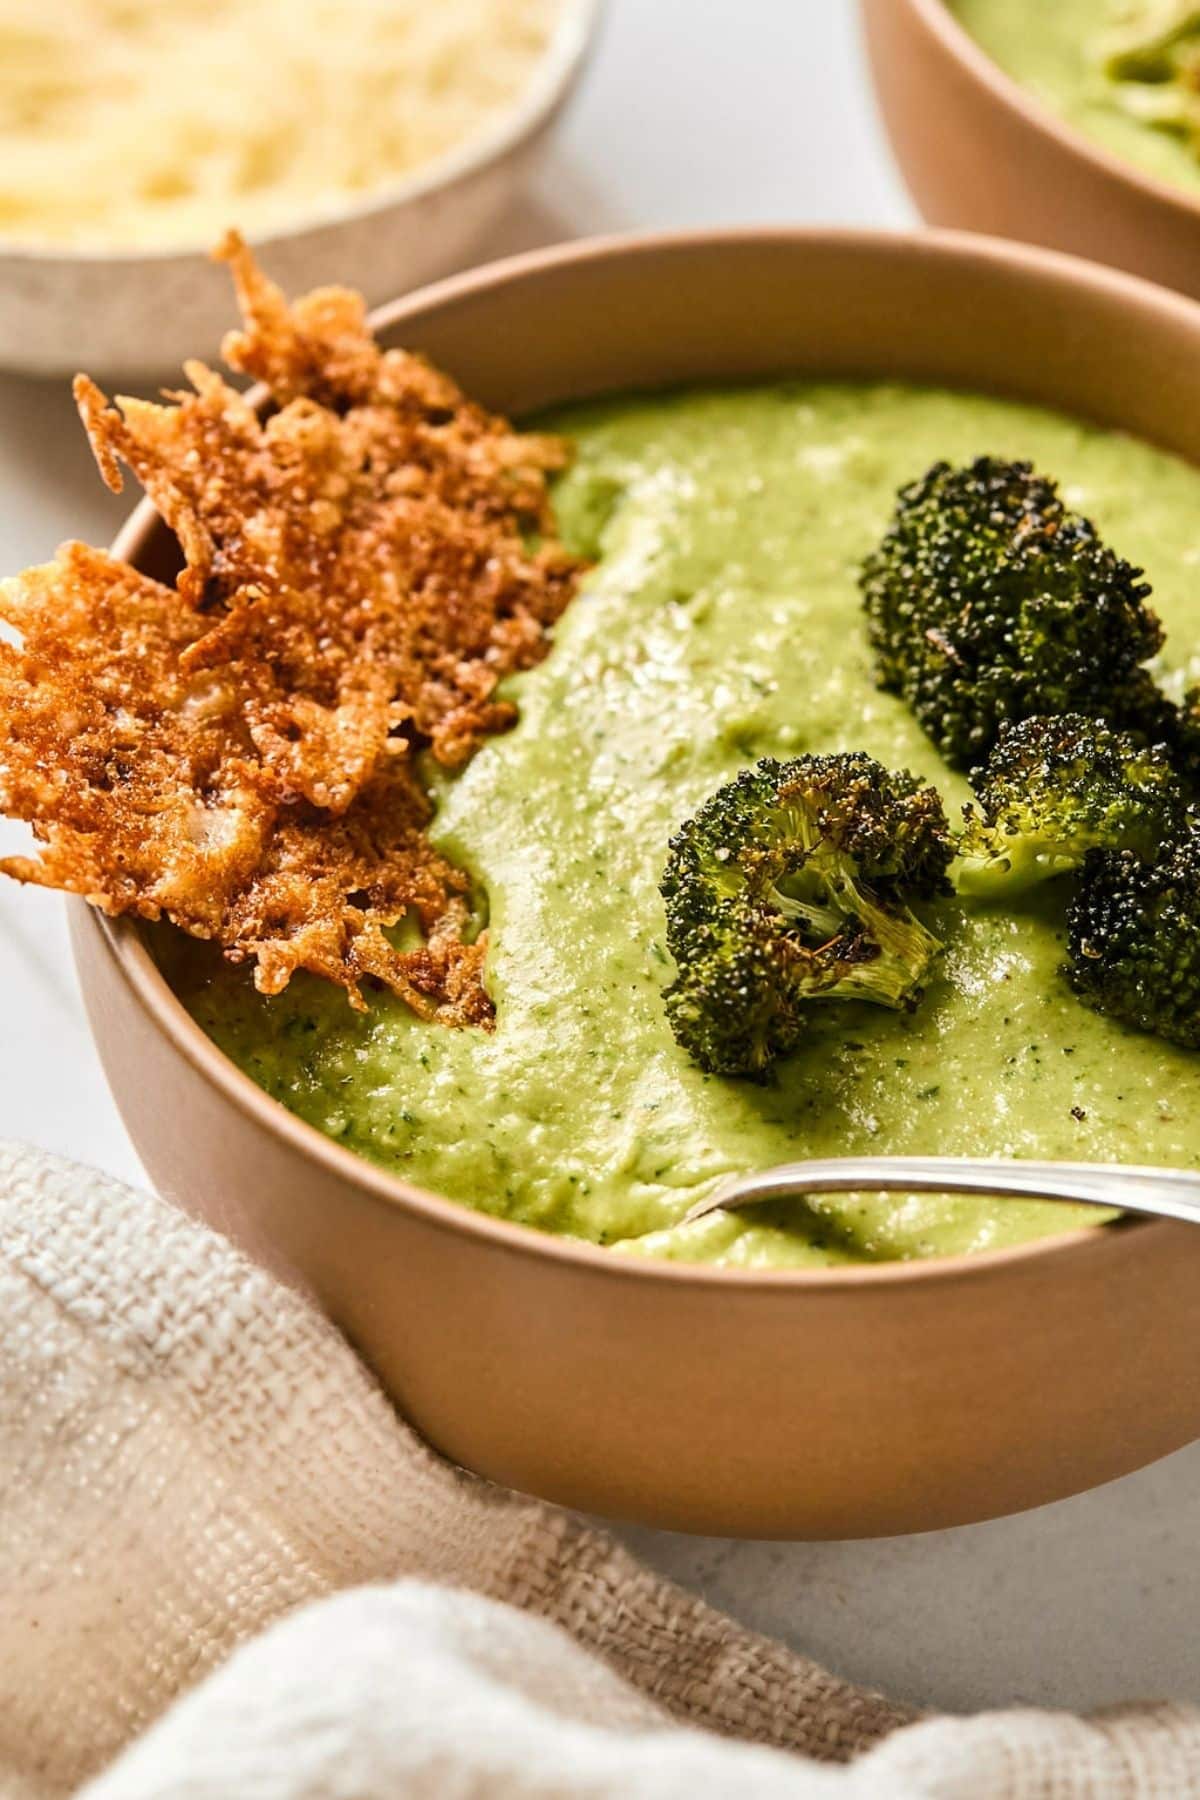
(132, 315)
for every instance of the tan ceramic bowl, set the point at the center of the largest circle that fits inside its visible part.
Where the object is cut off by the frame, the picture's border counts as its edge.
(826, 1404)
(979, 152)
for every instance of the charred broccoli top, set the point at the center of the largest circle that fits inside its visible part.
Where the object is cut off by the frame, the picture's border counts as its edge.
(1055, 788)
(1133, 938)
(791, 884)
(989, 601)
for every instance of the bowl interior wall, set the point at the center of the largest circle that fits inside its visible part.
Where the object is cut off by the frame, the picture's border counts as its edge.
(745, 308)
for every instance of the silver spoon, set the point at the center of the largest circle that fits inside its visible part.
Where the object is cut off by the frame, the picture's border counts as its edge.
(1164, 1193)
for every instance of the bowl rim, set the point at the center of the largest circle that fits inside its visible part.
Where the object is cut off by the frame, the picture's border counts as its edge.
(957, 42)
(551, 80)
(124, 941)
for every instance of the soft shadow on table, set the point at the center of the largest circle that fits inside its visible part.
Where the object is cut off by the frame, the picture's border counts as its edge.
(49, 483)
(1100, 1593)
(571, 207)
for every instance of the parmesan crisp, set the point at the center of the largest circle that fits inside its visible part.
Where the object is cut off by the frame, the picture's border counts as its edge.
(362, 566)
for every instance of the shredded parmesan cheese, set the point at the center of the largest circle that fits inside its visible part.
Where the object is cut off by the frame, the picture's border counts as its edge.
(155, 123)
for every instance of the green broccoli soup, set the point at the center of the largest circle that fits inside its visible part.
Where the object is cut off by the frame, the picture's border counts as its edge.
(1122, 72)
(723, 623)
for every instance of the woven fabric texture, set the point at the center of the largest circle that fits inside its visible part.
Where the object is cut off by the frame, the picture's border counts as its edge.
(228, 1569)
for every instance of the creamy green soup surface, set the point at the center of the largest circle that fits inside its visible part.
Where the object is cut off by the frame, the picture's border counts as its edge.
(722, 623)
(1055, 49)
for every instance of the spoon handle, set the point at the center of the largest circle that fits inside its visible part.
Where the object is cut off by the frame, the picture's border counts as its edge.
(1162, 1193)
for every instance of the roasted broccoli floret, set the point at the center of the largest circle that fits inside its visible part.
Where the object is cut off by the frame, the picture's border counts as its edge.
(1133, 938)
(1055, 788)
(792, 884)
(1179, 728)
(988, 601)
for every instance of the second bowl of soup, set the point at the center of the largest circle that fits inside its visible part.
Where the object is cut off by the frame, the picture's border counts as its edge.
(1070, 125)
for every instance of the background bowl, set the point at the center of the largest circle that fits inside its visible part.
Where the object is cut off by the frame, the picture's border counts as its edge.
(831, 1403)
(135, 315)
(977, 151)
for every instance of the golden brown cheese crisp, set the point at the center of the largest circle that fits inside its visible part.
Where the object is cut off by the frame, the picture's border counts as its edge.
(363, 564)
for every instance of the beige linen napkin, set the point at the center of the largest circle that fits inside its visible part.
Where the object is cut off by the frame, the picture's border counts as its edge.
(189, 1454)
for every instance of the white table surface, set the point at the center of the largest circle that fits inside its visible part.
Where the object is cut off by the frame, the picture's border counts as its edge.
(697, 112)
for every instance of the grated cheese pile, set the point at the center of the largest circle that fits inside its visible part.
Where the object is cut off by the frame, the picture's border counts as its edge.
(145, 124)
